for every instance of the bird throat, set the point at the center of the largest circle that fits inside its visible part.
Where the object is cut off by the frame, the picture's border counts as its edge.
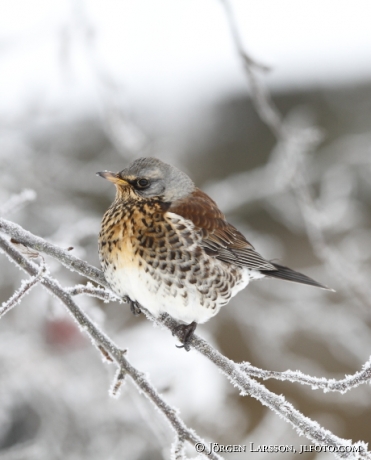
(133, 222)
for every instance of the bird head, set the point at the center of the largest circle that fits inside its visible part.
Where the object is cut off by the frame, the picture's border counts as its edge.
(150, 178)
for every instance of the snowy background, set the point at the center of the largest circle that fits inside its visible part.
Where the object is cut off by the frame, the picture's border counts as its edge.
(88, 86)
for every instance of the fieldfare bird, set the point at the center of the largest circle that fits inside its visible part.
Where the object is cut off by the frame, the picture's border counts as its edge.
(164, 244)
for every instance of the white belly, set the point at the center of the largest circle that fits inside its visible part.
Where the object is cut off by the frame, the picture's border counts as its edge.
(155, 294)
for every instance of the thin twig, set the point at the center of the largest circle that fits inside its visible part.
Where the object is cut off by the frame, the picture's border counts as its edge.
(177, 450)
(342, 385)
(25, 289)
(89, 289)
(260, 96)
(277, 403)
(39, 244)
(117, 383)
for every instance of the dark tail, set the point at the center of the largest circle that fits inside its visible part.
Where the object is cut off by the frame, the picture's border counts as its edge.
(285, 273)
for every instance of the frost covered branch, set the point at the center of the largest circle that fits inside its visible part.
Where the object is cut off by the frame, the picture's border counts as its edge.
(178, 450)
(234, 372)
(99, 339)
(24, 289)
(39, 244)
(342, 385)
(277, 403)
(89, 289)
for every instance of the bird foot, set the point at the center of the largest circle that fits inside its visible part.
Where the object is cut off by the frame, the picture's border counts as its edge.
(134, 306)
(186, 334)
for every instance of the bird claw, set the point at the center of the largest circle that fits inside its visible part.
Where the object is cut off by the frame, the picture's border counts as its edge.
(134, 306)
(186, 334)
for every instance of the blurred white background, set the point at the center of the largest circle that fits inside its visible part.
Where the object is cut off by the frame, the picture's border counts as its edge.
(167, 59)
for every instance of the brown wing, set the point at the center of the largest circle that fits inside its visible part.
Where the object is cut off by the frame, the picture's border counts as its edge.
(219, 238)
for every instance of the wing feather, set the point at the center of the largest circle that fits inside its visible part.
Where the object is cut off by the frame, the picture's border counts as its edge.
(219, 238)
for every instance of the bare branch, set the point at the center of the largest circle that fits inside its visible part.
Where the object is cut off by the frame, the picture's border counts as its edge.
(342, 386)
(277, 403)
(89, 289)
(177, 450)
(260, 96)
(24, 289)
(39, 244)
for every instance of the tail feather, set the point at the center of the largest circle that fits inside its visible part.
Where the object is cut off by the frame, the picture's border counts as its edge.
(286, 273)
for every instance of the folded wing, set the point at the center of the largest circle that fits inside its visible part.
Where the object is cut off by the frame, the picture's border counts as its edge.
(219, 238)
(224, 242)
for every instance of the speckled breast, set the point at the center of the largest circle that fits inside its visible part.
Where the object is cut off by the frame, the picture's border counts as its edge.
(157, 259)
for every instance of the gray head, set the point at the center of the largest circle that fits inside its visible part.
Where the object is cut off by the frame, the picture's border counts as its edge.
(151, 178)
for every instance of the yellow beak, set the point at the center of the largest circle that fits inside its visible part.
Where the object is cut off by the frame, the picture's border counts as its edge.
(112, 177)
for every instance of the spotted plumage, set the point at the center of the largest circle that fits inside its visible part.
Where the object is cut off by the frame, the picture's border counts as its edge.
(165, 245)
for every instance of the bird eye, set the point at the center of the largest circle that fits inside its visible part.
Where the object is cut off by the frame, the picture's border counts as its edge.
(142, 183)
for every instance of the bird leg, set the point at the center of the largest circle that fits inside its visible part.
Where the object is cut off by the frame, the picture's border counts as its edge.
(134, 306)
(186, 333)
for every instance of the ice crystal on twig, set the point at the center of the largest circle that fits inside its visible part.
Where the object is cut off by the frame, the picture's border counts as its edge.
(25, 287)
